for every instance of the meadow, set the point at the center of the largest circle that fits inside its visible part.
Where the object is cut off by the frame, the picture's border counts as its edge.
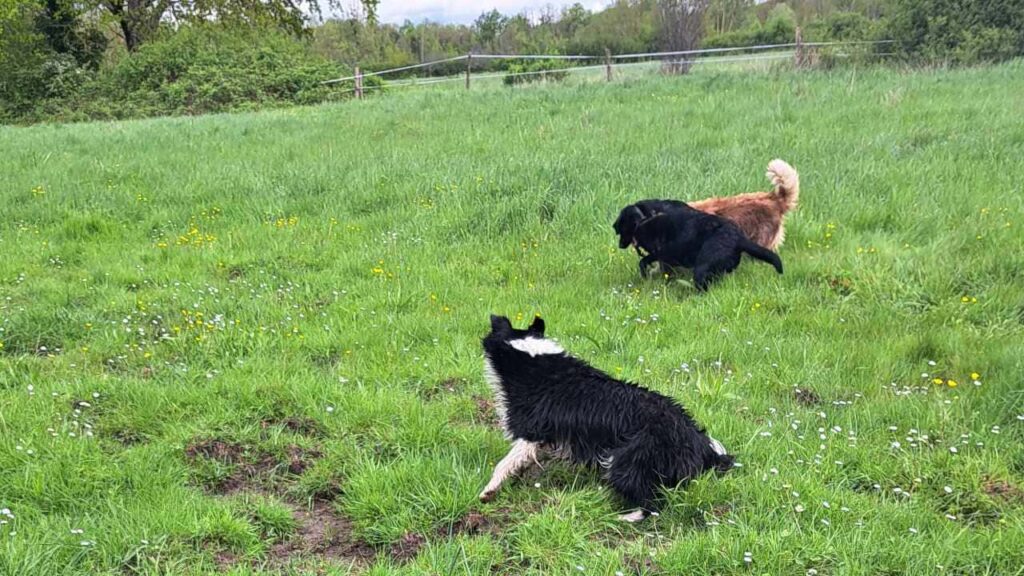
(250, 343)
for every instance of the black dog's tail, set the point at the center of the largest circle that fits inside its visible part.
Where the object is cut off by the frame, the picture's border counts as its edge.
(761, 253)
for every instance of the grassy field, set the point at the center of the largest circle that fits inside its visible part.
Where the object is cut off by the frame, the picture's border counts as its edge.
(251, 343)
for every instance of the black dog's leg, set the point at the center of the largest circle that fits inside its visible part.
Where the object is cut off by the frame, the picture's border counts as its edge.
(706, 274)
(715, 259)
(645, 263)
(702, 278)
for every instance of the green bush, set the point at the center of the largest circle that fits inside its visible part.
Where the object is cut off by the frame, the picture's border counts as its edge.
(30, 70)
(779, 28)
(535, 71)
(840, 27)
(194, 70)
(957, 31)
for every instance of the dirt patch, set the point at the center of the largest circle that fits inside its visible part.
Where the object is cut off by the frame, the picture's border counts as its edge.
(321, 531)
(485, 410)
(299, 459)
(250, 469)
(471, 524)
(213, 449)
(303, 426)
(1003, 490)
(840, 285)
(300, 425)
(225, 560)
(806, 397)
(327, 360)
(329, 491)
(446, 386)
(641, 565)
(127, 437)
(407, 547)
(721, 510)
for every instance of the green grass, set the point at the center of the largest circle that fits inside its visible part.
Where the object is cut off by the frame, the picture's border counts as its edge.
(266, 310)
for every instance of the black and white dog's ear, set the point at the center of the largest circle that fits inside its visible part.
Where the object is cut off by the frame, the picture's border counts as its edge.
(537, 327)
(500, 324)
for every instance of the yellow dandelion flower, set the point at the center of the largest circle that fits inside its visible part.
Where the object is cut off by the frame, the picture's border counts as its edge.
(951, 383)
(965, 299)
(937, 381)
(975, 376)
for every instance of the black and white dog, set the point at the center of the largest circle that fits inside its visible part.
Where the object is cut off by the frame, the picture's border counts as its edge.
(546, 399)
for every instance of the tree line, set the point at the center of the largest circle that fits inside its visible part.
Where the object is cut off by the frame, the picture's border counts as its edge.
(77, 59)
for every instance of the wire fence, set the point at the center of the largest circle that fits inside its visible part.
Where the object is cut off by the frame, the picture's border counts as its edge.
(798, 51)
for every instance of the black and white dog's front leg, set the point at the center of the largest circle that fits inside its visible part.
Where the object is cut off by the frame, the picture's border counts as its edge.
(636, 515)
(521, 455)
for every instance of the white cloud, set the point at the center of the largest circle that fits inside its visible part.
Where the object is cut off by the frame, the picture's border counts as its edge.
(465, 11)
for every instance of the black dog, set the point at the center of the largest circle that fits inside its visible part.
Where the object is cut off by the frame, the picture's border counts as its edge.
(548, 399)
(683, 236)
(631, 216)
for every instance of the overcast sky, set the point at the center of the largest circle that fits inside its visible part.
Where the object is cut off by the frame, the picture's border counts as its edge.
(464, 11)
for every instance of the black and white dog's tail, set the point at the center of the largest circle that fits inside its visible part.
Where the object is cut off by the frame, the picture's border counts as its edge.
(761, 253)
(723, 462)
(637, 468)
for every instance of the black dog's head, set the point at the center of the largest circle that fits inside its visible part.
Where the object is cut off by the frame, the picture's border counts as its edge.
(653, 233)
(625, 225)
(501, 329)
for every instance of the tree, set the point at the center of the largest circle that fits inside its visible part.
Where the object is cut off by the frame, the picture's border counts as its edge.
(370, 8)
(623, 27)
(139, 20)
(681, 29)
(489, 26)
(726, 15)
(573, 18)
(58, 21)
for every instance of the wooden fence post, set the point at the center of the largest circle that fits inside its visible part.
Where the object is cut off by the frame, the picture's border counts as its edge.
(359, 84)
(608, 64)
(798, 58)
(469, 65)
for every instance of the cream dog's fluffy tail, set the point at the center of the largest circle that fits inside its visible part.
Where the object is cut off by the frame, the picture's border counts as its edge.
(786, 182)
